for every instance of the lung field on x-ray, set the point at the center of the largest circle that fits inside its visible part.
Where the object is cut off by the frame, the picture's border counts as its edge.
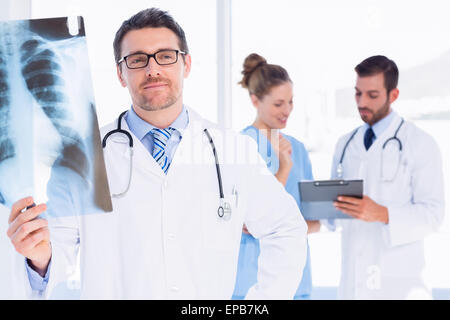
(47, 113)
(42, 74)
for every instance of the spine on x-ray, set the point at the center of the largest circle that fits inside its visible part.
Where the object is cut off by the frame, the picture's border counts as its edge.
(43, 76)
(6, 146)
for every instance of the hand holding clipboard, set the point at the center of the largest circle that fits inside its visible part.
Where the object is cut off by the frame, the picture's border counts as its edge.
(317, 197)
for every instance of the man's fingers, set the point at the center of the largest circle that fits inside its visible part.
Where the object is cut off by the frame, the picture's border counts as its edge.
(346, 205)
(35, 238)
(25, 217)
(352, 200)
(18, 206)
(27, 228)
(352, 213)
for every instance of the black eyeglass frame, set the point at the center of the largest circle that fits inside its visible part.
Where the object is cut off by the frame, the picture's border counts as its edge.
(150, 56)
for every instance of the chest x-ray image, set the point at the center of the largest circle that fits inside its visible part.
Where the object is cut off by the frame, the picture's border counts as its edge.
(49, 135)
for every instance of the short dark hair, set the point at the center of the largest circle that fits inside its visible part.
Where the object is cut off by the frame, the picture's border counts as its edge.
(149, 18)
(379, 64)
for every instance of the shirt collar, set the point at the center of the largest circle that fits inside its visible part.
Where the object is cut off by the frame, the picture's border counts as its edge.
(182, 121)
(381, 125)
(140, 127)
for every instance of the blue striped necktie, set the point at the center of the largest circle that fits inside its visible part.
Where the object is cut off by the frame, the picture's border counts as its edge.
(160, 138)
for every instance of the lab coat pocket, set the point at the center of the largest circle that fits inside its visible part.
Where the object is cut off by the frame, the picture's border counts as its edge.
(220, 233)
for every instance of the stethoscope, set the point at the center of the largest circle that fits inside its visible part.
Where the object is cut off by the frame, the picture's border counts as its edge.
(340, 169)
(224, 210)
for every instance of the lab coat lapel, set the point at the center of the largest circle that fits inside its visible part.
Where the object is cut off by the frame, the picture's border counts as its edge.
(189, 144)
(356, 148)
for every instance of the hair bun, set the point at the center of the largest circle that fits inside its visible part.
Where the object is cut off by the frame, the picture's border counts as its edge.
(251, 63)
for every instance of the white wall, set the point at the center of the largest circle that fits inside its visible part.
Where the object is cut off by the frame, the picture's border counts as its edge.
(15, 9)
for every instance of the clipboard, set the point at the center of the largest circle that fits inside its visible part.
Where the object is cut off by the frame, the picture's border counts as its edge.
(317, 197)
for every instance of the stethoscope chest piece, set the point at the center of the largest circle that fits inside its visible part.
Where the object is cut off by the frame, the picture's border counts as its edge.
(224, 211)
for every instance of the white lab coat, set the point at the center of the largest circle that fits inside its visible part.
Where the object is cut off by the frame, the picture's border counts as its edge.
(164, 239)
(382, 261)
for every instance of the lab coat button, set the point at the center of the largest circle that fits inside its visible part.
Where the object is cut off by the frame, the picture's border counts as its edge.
(174, 289)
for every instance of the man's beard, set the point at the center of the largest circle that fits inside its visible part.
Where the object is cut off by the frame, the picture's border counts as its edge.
(170, 100)
(380, 114)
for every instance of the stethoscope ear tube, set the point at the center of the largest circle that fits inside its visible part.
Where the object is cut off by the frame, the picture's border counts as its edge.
(219, 177)
(130, 143)
(224, 209)
(118, 130)
(339, 169)
(400, 146)
(346, 145)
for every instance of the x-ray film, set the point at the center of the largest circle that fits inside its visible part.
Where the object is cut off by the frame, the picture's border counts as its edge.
(49, 136)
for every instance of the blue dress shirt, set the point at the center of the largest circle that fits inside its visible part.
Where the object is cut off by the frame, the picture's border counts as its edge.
(142, 130)
(379, 127)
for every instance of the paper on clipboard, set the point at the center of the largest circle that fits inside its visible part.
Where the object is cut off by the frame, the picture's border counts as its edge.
(317, 197)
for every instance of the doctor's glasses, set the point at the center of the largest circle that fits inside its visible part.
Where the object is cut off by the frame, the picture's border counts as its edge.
(140, 60)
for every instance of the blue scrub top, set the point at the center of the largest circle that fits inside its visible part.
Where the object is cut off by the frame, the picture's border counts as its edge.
(249, 250)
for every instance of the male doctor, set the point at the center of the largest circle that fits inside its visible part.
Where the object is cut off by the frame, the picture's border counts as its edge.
(165, 238)
(382, 246)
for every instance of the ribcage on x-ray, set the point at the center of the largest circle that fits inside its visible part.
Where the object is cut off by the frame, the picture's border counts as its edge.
(47, 115)
(6, 146)
(43, 77)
